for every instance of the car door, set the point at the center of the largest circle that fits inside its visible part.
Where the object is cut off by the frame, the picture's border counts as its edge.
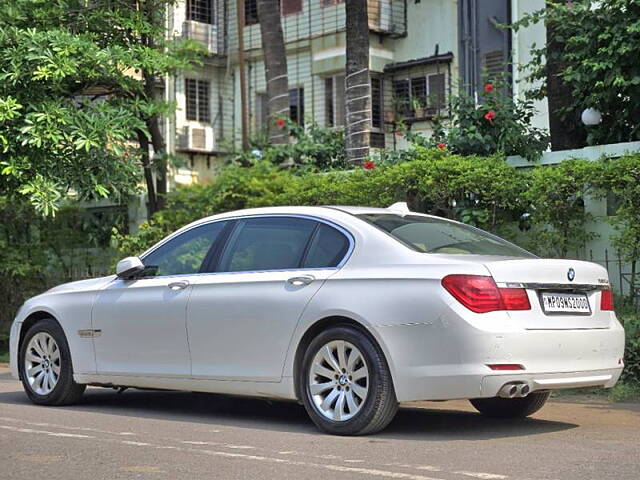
(242, 315)
(142, 321)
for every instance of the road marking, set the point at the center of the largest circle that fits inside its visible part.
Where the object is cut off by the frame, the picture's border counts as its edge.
(429, 468)
(261, 458)
(44, 432)
(136, 444)
(483, 476)
(63, 427)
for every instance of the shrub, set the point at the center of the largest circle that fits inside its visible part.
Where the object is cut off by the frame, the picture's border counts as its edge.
(310, 146)
(499, 125)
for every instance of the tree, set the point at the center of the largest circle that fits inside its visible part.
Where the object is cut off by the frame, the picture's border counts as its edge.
(275, 71)
(600, 65)
(357, 82)
(77, 84)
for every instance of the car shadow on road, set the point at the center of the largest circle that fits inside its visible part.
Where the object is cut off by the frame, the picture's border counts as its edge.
(419, 423)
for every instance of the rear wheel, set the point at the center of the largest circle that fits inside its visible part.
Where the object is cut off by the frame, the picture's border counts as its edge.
(511, 407)
(346, 386)
(45, 366)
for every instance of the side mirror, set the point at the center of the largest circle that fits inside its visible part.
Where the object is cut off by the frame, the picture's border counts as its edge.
(129, 267)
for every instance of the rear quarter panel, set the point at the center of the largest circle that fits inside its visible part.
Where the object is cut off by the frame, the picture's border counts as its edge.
(384, 298)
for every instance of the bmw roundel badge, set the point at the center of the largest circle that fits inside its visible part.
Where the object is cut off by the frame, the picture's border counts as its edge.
(571, 274)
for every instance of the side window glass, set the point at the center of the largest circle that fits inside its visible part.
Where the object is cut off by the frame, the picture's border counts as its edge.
(270, 243)
(328, 248)
(183, 254)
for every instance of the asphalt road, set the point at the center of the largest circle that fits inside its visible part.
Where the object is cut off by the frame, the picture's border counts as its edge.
(172, 435)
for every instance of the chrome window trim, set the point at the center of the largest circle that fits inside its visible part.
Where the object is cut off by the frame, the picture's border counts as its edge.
(340, 228)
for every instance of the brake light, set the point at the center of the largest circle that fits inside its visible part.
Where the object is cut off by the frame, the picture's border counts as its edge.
(480, 294)
(606, 300)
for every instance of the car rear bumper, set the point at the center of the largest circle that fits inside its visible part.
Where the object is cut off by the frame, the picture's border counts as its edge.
(436, 362)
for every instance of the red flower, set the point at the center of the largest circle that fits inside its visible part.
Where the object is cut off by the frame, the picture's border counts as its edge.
(488, 87)
(280, 123)
(442, 145)
(369, 165)
(489, 116)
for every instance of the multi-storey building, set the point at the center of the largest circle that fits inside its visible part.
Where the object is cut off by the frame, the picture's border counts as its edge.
(420, 52)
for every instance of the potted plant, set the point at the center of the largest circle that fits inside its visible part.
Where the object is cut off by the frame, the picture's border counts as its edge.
(418, 107)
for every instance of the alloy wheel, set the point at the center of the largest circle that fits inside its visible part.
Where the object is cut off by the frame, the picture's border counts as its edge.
(42, 363)
(338, 380)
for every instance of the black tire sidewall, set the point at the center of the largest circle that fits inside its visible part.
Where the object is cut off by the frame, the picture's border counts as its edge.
(65, 380)
(376, 366)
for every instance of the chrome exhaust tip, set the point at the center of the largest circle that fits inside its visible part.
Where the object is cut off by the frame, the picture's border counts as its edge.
(510, 390)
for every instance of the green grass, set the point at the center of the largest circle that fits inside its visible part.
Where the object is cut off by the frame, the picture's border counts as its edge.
(4, 357)
(622, 392)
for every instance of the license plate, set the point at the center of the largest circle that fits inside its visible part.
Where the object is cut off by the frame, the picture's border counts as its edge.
(565, 303)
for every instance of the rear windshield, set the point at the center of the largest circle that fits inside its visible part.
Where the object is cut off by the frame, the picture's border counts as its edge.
(433, 235)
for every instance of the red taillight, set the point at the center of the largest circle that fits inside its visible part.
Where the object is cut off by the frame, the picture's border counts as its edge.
(480, 294)
(515, 299)
(606, 300)
(505, 366)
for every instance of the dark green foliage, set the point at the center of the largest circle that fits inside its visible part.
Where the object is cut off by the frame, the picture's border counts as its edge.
(600, 62)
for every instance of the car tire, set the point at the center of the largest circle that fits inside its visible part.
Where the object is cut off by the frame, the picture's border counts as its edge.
(511, 407)
(360, 355)
(47, 373)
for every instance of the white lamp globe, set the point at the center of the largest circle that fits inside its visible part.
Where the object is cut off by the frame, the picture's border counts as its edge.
(591, 116)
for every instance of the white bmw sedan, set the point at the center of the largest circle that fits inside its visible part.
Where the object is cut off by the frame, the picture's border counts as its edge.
(349, 310)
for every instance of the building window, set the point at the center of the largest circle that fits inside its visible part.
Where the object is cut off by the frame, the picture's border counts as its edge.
(250, 12)
(197, 95)
(419, 95)
(290, 7)
(376, 103)
(334, 101)
(296, 108)
(328, 3)
(201, 11)
(296, 105)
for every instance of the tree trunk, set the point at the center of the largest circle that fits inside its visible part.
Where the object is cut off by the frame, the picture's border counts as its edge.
(565, 133)
(275, 71)
(159, 160)
(357, 82)
(152, 206)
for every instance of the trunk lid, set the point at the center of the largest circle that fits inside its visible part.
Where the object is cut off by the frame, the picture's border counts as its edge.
(554, 278)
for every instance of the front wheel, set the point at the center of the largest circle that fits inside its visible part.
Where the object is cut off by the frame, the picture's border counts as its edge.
(346, 386)
(511, 407)
(45, 366)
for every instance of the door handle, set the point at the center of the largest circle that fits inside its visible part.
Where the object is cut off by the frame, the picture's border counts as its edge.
(180, 285)
(300, 281)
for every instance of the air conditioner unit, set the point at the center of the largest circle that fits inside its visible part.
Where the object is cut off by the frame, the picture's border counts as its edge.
(203, 33)
(196, 139)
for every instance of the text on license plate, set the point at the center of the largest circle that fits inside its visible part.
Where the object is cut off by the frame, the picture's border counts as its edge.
(565, 302)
